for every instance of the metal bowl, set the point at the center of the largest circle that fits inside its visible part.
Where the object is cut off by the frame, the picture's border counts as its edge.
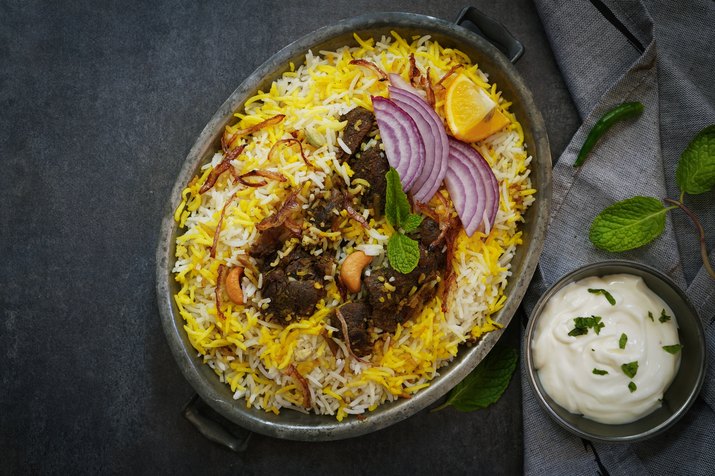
(682, 391)
(291, 424)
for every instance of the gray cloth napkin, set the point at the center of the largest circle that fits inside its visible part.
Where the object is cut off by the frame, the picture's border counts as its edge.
(661, 54)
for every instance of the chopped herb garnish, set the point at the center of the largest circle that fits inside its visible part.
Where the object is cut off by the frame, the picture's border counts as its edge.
(600, 372)
(650, 314)
(622, 341)
(583, 324)
(672, 349)
(663, 316)
(630, 369)
(605, 293)
(632, 387)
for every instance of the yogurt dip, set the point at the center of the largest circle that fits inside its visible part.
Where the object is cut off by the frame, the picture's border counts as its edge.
(607, 348)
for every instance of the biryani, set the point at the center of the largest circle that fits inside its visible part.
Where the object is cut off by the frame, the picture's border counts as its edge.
(332, 256)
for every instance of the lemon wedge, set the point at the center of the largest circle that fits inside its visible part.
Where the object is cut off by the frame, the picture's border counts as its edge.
(471, 114)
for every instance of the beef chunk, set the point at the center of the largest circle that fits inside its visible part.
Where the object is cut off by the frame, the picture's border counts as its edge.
(427, 233)
(356, 316)
(393, 306)
(324, 214)
(303, 265)
(290, 297)
(371, 166)
(385, 303)
(269, 242)
(360, 121)
(295, 285)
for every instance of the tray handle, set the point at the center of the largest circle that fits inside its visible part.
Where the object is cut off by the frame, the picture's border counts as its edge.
(493, 31)
(215, 427)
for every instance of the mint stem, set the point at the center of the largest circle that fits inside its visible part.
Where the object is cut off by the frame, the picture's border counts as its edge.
(436, 409)
(703, 247)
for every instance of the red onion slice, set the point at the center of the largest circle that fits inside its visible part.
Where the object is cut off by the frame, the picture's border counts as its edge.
(404, 147)
(435, 139)
(471, 182)
(457, 190)
(460, 167)
(399, 82)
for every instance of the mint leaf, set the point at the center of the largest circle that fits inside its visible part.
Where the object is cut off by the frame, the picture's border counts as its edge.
(622, 341)
(630, 369)
(605, 293)
(664, 317)
(672, 349)
(628, 224)
(632, 387)
(650, 315)
(397, 208)
(696, 170)
(411, 222)
(600, 372)
(486, 384)
(403, 253)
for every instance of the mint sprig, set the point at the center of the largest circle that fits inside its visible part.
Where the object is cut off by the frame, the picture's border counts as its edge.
(486, 384)
(637, 221)
(403, 252)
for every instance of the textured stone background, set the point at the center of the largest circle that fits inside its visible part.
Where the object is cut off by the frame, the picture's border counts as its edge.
(99, 104)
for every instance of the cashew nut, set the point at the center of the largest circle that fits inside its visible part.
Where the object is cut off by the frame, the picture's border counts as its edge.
(351, 270)
(233, 285)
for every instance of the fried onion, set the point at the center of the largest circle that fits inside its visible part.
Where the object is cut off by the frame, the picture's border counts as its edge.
(371, 66)
(291, 141)
(421, 81)
(260, 173)
(220, 168)
(448, 74)
(356, 216)
(217, 232)
(227, 143)
(414, 72)
(293, 372)
(428, 87)
(219, 284)
(352, 213)
(279, 217)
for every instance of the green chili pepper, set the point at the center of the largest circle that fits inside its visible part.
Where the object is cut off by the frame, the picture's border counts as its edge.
(620, 112)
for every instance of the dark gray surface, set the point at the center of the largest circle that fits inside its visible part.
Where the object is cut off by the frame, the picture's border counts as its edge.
(100, 104)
